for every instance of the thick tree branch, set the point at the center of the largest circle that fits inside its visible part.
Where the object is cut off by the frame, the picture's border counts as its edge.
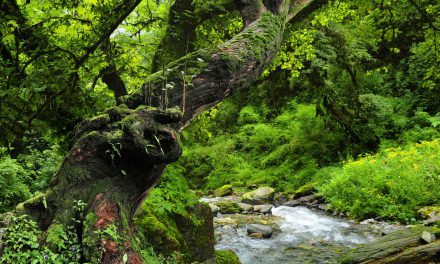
(218, 72)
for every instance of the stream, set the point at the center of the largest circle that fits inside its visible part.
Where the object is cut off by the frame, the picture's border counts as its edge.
(301, 235)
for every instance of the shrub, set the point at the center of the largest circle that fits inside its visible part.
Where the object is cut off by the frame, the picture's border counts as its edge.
(13, 189)
(392, 184)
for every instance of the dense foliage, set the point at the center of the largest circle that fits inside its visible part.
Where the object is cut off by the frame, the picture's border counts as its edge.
(392, 184)
(349, 106)
(348, 82)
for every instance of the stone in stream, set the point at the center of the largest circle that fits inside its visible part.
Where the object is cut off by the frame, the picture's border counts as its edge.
(280, 199)
(427, 237)
(262, 195)
(228, 207)
(264, 208)
(214, 208)
(370, 221)
(246, 207)
(325, 207)
(308, 200)
(256, 235)
(225, 190)
(265, 231)
(292, 203)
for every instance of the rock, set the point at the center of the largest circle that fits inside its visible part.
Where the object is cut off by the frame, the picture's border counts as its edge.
(430, 214)
(198, 193)
(264, 208)
(198, 238)
(262, 195)
(280, 198)
(228, 207)
(266, 231)
(252, 187)
(292, 203)
(325, 207)
(256, 235)
(226, 257)
(427, 237)
(370, 221)
(432, 220)
(214, 208)
(225, 190)
(305, 190)
(307, 199)
(246, 207)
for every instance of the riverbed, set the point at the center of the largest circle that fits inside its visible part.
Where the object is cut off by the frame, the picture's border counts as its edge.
(301, 235)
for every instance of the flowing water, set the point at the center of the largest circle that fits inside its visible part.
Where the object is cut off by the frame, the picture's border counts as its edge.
(301, 235)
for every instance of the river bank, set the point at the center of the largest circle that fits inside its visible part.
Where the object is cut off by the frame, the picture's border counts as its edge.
(305, 230)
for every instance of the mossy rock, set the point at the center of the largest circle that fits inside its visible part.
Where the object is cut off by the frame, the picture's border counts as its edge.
(428, 212)
(228, 207)
(262, 195)
(305, 190)
(162, 233)
(226, 257)
(225, 190)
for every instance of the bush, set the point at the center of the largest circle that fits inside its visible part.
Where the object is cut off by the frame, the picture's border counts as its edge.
(13, 189)
(392, 184)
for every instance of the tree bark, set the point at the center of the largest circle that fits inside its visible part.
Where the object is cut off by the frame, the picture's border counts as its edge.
(116, 158)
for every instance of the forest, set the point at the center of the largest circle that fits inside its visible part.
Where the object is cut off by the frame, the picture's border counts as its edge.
(219, 131)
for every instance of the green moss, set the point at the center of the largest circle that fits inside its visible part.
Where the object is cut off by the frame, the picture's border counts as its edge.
(161, 233)
(229, 207)
(223, 191)
(305, 189)
(226, 257)
(427, 211)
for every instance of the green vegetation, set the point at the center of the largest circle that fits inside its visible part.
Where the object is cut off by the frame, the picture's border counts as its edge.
(392, 184)
(226, 257)
(342, 88)
(348, 109)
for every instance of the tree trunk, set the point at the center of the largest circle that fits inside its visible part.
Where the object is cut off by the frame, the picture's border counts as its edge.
(117, 157)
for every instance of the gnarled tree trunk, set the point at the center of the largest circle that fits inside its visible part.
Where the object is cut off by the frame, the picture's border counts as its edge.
(117, 157)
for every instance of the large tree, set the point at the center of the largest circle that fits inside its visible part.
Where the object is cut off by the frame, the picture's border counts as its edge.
(118, 156)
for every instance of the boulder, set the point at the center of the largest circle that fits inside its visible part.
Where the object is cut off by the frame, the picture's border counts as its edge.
(262, 195)
(264, 230)
(292, 203)
(280, 198)
(226, 257)
(429, 214)
(214, 208)
(228, 207)
(198, 238)
(325, 207)
(427, 237)
(263, 208)
(370, 221)
(225, 190)
(305, 190)
(256, 235)
(252, 187)
(307, 199)
(246, 207)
